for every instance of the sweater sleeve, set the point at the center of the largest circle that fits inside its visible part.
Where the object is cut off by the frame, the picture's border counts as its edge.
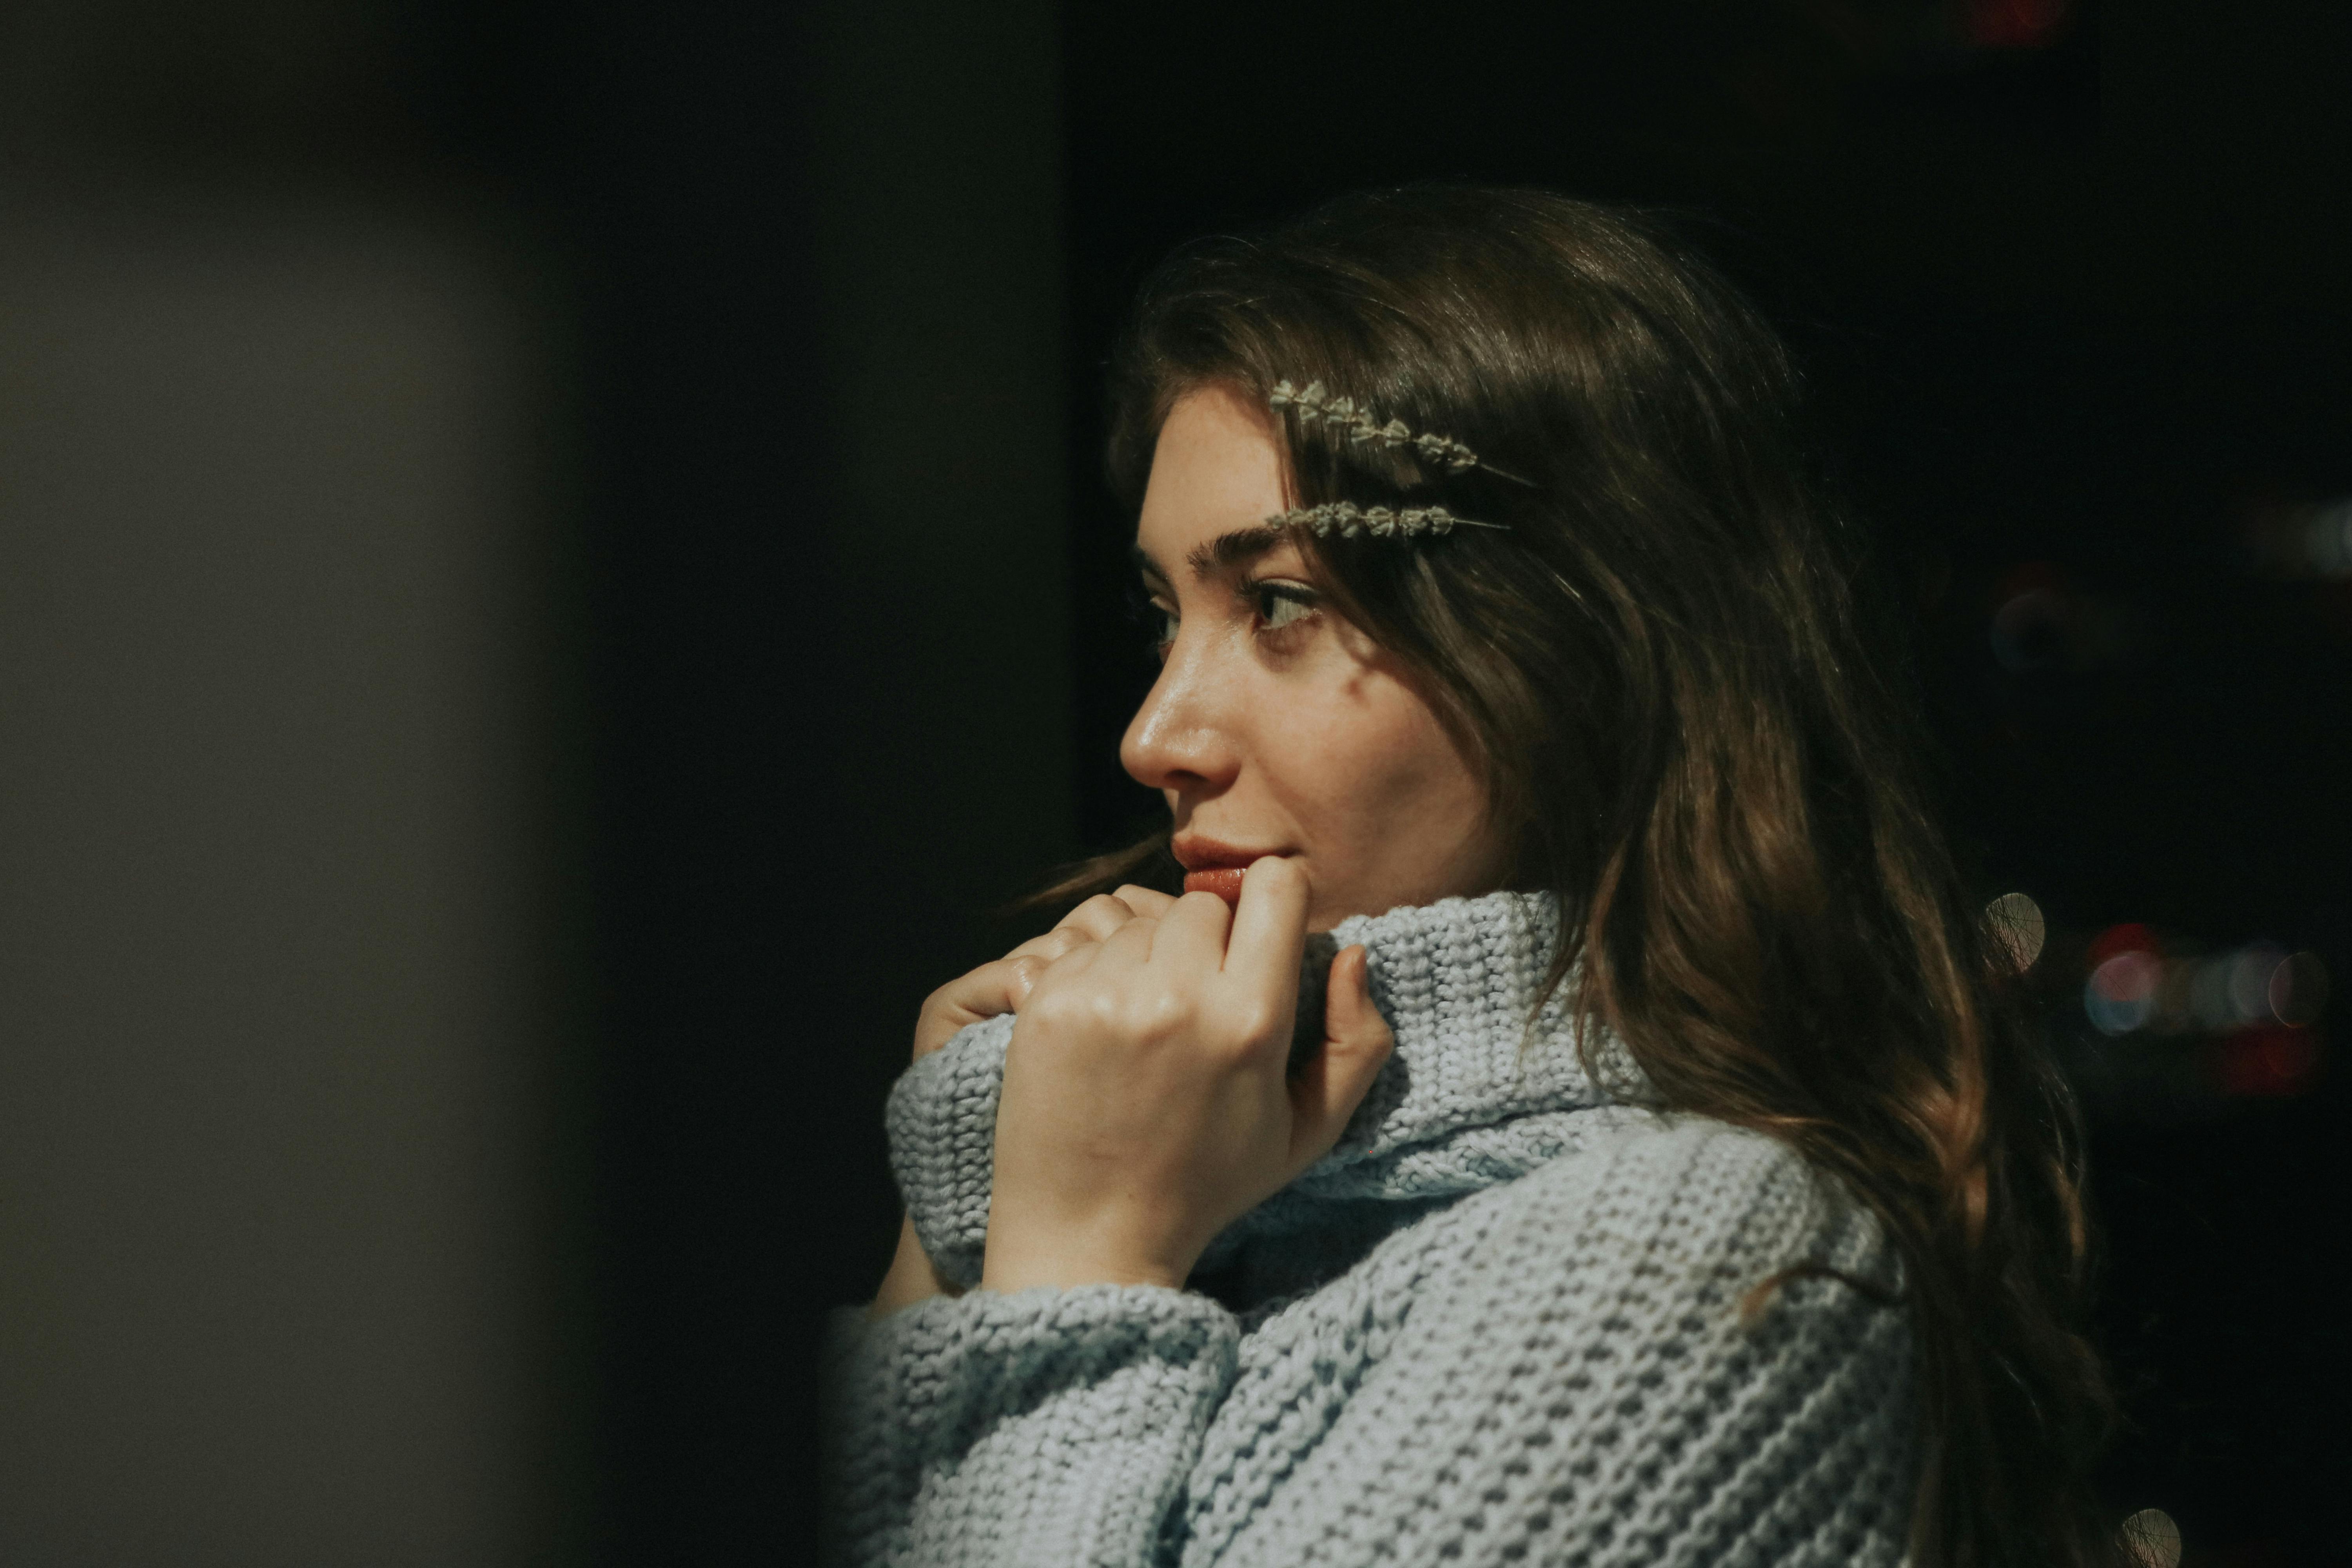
(941, 1120)
(1039, 1427)
(1571, 1369)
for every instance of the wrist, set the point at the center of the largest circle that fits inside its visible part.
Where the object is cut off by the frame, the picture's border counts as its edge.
(1068, 1273)
(911, 1279)
(1013, 1262)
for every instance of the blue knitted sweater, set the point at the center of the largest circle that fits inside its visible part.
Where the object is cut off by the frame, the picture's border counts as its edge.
(1500, 1323)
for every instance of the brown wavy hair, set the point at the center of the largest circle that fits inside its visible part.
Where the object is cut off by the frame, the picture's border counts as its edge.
(1694, 728)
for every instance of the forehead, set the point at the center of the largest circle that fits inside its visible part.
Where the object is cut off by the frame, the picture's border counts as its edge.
(1216, 471)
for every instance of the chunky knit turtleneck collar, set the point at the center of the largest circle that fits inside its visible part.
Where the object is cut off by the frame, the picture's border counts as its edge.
(1475, 1094)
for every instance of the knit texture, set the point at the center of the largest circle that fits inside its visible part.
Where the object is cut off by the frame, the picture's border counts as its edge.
(1501, 1322)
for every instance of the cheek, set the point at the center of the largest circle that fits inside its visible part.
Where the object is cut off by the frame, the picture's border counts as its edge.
(1375, 755)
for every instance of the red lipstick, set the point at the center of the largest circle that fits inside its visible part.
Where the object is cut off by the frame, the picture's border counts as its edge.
(1211, 867)
(1225, 881)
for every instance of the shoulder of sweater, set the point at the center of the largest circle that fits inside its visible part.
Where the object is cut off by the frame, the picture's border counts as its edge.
(1701, 1187)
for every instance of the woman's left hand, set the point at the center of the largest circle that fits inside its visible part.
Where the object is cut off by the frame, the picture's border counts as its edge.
(1145, 1104)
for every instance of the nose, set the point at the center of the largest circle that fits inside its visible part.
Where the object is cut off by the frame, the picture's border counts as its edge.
(1181, 741)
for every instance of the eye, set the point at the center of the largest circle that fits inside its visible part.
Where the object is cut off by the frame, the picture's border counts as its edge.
(1153, 614)
(1281, 604)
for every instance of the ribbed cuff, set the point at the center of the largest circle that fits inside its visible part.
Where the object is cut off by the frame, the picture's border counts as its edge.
(1041, 1426)
(941, 1121)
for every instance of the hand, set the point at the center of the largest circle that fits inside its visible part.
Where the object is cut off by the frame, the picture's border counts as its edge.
(1002, 985)
(1146, 1105)
(993, 988)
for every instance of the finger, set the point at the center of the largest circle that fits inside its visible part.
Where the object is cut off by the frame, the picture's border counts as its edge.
(1099, 917)
(1026, 973)
(1051, 945)
(1192, 934)
(1145, 900)
(992, 988)
(1269, 930)
(1356, 1044)
(1130, 943)
(1074, 963)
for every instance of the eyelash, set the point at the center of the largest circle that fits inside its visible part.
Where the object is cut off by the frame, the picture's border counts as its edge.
(1261, 595)
(1263, 598)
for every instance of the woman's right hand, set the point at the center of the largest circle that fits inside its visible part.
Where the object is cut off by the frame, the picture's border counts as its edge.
(992, 989)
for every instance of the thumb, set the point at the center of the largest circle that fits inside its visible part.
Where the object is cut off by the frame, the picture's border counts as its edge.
(1356, 1043)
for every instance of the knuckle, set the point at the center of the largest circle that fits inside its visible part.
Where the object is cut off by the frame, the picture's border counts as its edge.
(1254, 1022)
(1051, 1005)
(1166, 1012)
(1116, 1015)
(1141, 1016)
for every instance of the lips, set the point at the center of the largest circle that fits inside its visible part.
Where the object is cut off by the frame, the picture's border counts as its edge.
(1225, 881)
(1211, 867)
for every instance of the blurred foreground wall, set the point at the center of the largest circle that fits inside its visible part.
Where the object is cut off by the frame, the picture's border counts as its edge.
(273, 1036)
(280, 1173)
(532, 626)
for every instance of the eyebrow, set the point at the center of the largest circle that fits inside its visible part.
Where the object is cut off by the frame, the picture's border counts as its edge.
(1220, 553)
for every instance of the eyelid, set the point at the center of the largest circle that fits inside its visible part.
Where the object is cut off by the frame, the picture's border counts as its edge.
(1277, 606)
(1281, 585)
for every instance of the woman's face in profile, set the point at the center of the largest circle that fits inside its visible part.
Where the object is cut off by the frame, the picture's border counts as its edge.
(1277, 727)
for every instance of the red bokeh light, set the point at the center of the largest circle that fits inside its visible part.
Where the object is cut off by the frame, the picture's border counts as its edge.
(2012, 23)
(2269, 1062)
(2132, 937)
(2027, 577)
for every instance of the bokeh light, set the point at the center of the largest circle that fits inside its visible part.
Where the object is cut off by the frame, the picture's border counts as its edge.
(2291, 540)
(2028, 630)
(2120, 995)
(2275, 1060)
(2252, 1007)
(2298, 990)
(2016, 923)
(2152, 1539)
(2013, 24)
(2128, 938)
(2040, 621)
(2327, 540)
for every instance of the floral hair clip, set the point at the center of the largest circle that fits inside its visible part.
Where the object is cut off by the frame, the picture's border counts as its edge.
(1349, 520)
(1363, 428)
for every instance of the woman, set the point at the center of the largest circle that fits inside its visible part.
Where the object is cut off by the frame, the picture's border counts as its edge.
(1660, 1179)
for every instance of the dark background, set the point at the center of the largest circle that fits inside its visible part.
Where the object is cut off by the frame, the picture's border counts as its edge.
(753, 578)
